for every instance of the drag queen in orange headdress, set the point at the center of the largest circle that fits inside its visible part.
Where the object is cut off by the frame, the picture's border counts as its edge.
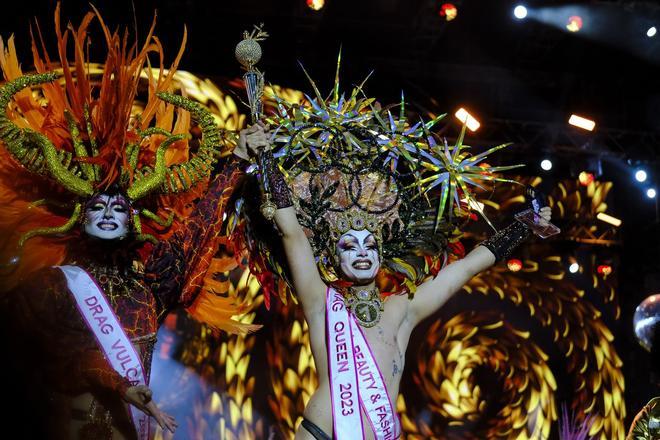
(101, 236)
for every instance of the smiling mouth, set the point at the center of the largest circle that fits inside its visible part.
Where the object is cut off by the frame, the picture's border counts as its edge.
(107, 226)
(362, 264)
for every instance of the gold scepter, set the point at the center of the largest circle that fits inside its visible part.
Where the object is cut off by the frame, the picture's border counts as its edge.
(248, 53)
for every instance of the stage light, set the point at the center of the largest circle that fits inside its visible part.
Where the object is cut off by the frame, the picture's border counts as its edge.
(583, 123)
(574, 23)
(604, 269)
(467, 119)
(315, 4)
(640, 175)
(651, 193)
(651, 32)
(608, 219)
(586, 178)
(520, 12)
(449, 11)
(573, 265)
(546, 164)
(514, 264)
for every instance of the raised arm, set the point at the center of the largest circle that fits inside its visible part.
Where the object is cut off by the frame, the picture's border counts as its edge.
(431, 295)
(306, 279)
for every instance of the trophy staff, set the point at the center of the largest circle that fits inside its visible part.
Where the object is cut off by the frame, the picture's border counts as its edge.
(248, 53)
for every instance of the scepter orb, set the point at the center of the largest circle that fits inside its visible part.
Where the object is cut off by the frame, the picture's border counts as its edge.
(248, 50)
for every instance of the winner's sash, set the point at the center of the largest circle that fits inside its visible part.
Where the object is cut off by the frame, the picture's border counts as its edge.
(355, 379)
(105, 326)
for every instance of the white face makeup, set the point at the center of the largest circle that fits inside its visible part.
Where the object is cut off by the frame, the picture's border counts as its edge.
(106, 217)
(358, 256)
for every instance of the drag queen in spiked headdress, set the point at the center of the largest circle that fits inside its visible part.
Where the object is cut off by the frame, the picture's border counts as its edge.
(100, 234)
(369, 210)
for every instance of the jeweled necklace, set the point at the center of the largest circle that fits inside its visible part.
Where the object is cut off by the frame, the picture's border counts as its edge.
(365, 304)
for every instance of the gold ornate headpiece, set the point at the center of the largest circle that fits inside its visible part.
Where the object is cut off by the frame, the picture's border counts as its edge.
(356, 220)
(334, 200)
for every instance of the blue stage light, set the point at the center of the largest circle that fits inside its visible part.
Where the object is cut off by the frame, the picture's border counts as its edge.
(640, 175)
(520, 12)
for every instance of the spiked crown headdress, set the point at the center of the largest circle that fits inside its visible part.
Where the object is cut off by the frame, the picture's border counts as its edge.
(345, 157)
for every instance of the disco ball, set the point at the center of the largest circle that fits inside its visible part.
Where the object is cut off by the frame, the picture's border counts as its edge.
(646, 320)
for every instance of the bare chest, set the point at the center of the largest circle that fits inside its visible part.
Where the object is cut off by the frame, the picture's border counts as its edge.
(387, 341)
(388, 349)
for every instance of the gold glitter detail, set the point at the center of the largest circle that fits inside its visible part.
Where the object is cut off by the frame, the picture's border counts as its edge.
(248, 50)
(31, 148)
(59, 171)
(185, 175)
(355, 220)
(54, 230)
(154, 217)
(147, 183)
(78, 145)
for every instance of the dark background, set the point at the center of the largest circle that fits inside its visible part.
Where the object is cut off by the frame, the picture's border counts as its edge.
(522, 79)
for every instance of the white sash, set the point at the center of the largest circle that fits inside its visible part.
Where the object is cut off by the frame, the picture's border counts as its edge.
(102, 321)
(355, 377)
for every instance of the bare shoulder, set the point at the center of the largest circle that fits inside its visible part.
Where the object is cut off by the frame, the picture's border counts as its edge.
(396, 309)
(397, 315)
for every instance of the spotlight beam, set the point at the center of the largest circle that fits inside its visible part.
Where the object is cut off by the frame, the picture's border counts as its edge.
(605, 22)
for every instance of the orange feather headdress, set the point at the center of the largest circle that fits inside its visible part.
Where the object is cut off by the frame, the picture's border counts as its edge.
(74, 128)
